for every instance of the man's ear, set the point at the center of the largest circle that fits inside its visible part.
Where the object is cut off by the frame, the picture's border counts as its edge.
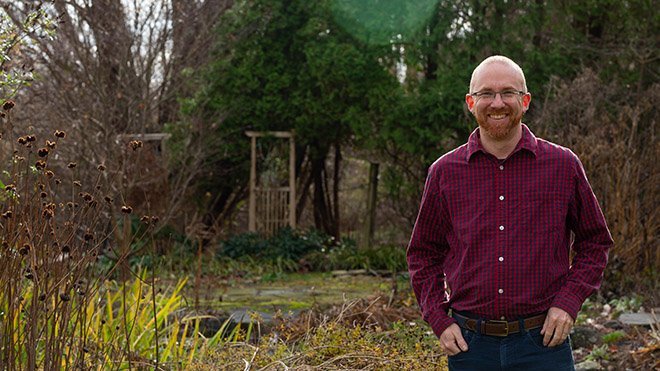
(469, 99)
(526, 99)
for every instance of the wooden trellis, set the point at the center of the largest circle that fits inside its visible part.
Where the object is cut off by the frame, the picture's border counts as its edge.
(272, 207)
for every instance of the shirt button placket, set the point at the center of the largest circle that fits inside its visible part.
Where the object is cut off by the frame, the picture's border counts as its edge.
(501, 207)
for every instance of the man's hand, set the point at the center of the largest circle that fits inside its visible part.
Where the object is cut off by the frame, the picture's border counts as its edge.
(557, 326)
(451, 340)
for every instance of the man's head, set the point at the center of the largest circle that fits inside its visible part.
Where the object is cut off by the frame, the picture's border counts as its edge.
(498, 96)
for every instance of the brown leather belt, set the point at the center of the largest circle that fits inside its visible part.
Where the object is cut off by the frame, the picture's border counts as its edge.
(499, 328)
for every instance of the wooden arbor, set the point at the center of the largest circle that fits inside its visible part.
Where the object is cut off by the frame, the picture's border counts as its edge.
(272, 206)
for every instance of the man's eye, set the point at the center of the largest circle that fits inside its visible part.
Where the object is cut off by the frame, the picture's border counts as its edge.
(508, 94)
(488, 94)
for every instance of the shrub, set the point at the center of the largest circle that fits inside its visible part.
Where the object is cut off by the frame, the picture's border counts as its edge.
(285, 244)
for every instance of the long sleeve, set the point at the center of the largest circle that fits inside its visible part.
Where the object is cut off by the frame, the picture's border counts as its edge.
(591, 246)
(426, 255)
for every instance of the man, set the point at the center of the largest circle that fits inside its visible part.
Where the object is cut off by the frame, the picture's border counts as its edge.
(498, 218)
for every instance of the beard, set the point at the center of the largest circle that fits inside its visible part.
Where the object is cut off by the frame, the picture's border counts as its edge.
(499, 130)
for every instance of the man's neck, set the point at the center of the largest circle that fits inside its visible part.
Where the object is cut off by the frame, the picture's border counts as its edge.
(501, 148)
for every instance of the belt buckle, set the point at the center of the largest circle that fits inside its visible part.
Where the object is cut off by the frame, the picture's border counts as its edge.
(506, 327)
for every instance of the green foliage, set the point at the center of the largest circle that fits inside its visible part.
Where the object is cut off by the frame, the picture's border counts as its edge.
(626, 304)
(614, 337)
(598, 353)
(281, 65)
(285, 244)
(348, 256)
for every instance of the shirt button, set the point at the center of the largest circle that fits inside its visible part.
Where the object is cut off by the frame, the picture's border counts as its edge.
(500, 291)
(502, 318)
(501, 198)
(501, 167)
(501, 228)
(501, 258)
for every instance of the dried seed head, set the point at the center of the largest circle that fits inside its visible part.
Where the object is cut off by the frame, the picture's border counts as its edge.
(66, 249)
(25, 249)
(77, 183)
(44, 194)
(145, 219)
(29, 275)
(40, 164)
(42, 297)
(69, 205)
(88, 235)
(154, 219)
(48, 213)
(101, 167)
(135, 144)
(87, 197)
(50, 144)
(65, 297)
(71, 165)
(10, 187)
(60, 134)
(58, 181)
(126, 209)
(7, 214)
(108, 199)
(31, 138)
(22, 140)
(50, 174)
(43, 152)
(8, 105)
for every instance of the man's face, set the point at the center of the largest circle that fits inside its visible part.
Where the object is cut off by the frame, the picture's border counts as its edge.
(498, 118)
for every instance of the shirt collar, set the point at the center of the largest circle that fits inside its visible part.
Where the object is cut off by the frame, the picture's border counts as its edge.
(527, 141)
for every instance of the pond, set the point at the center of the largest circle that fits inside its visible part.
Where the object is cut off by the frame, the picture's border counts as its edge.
(288, 293)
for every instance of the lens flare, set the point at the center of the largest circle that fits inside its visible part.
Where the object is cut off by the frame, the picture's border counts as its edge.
(380, 22)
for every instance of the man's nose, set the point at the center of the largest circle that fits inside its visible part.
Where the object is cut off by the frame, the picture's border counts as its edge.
(497, 102)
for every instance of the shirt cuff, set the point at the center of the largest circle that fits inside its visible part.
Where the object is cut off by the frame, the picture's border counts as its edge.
(439, 321)
(569, 303)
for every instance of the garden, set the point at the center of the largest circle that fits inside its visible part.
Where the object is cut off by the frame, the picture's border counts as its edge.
(231, 185)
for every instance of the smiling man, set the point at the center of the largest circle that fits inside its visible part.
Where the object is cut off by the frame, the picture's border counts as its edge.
(489, 256)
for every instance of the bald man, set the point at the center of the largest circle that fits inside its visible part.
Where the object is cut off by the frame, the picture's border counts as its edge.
(489, 256)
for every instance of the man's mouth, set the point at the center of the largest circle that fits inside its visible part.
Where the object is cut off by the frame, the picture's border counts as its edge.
(497, 116)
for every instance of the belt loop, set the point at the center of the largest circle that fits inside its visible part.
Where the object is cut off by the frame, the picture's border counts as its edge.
(479, 322)
(521, 325)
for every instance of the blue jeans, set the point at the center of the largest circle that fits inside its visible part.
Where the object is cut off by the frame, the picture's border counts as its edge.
(520, 351)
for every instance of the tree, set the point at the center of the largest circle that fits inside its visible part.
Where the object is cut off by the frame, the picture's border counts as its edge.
(283, 65)
(117, 67)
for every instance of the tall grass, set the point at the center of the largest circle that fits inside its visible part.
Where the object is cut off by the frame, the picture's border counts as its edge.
(58, 310)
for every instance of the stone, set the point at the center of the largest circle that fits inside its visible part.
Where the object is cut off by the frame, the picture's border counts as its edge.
(639, 318)
(587, 366)
(584, 337)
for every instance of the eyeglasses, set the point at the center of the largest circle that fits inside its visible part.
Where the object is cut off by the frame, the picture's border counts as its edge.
(489, 96)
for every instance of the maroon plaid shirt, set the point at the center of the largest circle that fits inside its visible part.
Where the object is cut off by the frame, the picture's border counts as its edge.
(493, 237)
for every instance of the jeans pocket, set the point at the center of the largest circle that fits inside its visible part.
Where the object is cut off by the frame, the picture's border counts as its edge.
(536, 339)
(468, 336)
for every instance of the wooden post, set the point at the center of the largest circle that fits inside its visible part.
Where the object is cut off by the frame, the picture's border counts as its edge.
(371, 203)
(292, 182)
(252, 223)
